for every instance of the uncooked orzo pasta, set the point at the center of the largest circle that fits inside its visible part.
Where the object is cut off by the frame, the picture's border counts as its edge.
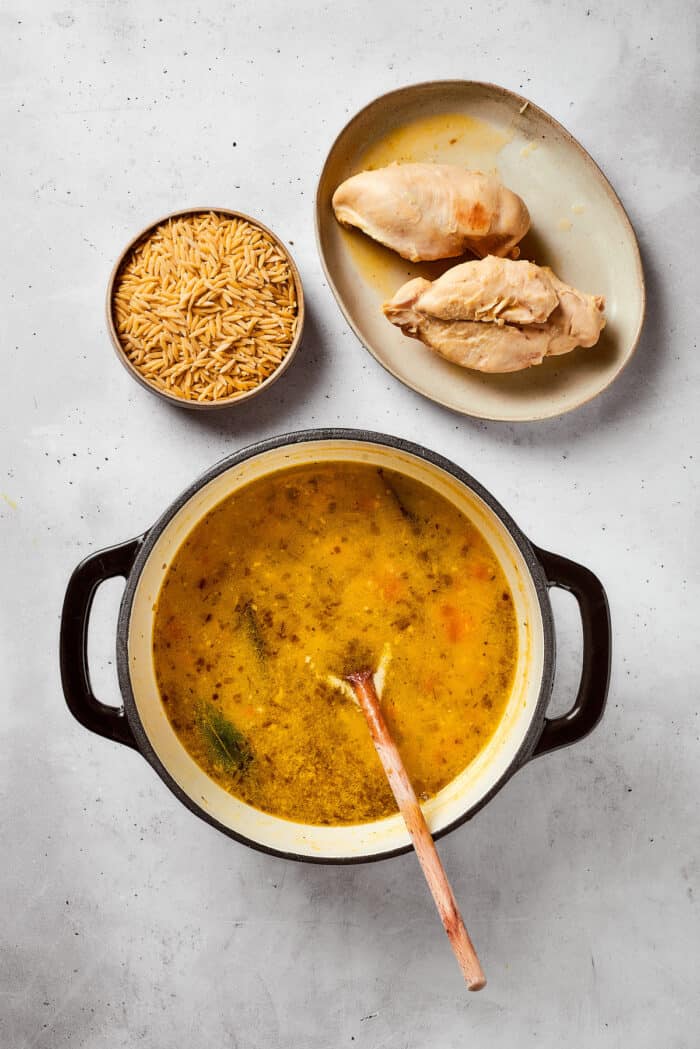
(205, 307)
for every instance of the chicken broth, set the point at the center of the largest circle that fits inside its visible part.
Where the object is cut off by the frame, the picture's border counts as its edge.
(310, 573)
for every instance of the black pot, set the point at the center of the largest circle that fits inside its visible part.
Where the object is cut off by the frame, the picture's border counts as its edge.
(524, 732)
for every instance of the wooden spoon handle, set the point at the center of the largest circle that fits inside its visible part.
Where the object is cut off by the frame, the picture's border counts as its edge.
(402, 789)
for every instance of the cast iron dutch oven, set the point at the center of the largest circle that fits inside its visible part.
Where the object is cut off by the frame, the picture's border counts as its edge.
(524, 731)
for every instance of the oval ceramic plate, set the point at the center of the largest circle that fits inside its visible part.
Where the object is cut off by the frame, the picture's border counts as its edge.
(579, 228)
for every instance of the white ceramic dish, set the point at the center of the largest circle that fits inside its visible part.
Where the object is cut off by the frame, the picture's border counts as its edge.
(579, 228)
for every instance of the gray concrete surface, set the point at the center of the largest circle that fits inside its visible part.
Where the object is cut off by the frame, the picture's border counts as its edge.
(124, 921)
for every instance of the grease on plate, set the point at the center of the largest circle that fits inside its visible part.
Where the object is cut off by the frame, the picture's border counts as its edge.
(527, 150)
(447, 138)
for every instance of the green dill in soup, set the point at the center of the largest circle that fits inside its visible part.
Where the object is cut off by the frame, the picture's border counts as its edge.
(316, 571)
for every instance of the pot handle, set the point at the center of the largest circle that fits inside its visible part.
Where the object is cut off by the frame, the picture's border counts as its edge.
(106, 721)
(597, 644)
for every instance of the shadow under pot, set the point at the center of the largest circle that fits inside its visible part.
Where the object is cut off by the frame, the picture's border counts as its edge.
(523, 732)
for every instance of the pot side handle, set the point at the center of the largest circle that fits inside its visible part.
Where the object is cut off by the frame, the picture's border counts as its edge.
(106, 721)
(597, 644)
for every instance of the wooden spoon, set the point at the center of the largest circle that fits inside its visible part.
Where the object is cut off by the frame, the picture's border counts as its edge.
(362, 683)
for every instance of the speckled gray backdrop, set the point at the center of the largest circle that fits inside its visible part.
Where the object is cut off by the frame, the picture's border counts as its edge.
(125, 921)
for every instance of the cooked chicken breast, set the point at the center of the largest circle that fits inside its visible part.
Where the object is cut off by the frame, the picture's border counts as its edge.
(433, 211)
(496, 315)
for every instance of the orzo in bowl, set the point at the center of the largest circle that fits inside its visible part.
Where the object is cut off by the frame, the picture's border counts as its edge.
(205, 307)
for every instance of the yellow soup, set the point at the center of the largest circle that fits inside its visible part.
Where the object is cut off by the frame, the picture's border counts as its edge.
(310, 573)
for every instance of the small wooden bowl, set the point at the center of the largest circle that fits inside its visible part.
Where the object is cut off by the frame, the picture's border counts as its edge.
(224, 402)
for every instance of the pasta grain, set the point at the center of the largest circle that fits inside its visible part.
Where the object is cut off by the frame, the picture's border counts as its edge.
(205, 307)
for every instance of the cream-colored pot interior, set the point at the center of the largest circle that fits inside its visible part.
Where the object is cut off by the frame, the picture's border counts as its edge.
(363, 840)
